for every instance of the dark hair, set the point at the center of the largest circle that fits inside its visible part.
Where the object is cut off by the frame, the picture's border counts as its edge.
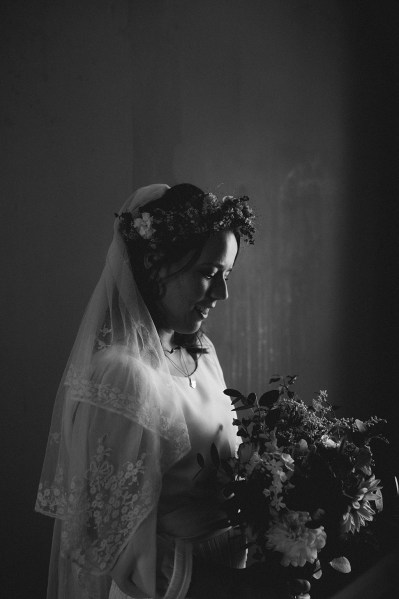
(169, 252)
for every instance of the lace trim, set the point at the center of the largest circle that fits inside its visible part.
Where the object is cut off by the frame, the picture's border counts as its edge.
(100, 509)
(148, 415)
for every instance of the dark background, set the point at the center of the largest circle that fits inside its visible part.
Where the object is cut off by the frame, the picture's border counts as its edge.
(294, 103)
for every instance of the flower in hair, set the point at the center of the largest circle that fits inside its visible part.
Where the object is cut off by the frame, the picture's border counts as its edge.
(143, 225)
(210, 202)
(200, 215)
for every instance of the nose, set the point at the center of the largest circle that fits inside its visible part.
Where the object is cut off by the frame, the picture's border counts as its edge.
(219, 289)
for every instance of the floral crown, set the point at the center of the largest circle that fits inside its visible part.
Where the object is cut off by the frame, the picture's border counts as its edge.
(157, 226)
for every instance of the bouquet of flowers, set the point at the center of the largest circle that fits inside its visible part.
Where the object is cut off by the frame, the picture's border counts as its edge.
(302, 482)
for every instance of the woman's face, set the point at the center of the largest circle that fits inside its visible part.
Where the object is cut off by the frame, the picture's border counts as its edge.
(190, 294)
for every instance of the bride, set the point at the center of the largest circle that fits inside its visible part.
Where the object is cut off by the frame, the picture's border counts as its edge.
(141, 396)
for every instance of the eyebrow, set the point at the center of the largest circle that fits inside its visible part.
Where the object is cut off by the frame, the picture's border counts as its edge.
(216, 265)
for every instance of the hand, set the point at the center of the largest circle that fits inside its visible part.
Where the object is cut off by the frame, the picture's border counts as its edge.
(121, 574)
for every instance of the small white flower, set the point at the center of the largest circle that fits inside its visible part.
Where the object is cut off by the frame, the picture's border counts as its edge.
(210, 202)
(143, 226)
(328, 442)
(302, 446)
(288, 461)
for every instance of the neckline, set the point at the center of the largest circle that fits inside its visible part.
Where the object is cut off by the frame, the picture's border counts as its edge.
(185, 377)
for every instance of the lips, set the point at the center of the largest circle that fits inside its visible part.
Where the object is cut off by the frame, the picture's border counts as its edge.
(203, 312)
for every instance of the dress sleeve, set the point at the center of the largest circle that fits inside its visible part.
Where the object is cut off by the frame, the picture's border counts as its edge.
(118, 505)
(109, 502)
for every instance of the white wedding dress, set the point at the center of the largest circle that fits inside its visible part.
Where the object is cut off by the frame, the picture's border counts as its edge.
(120, 470)
(189, 514)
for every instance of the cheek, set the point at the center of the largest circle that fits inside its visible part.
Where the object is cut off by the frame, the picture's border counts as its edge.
(198, 287)
(190, 289)
(184, 292)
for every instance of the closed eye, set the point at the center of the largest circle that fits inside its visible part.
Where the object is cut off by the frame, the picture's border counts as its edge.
(213, 275)
(209, 275)
(210, 271)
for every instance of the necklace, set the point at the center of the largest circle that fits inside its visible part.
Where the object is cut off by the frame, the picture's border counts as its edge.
(173, 349)
(184, 370)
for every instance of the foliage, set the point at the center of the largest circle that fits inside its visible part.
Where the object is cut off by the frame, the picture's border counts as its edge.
(302, 481)
(201, 215)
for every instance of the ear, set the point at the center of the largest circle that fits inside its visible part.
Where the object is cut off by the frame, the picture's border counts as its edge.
(149, 260)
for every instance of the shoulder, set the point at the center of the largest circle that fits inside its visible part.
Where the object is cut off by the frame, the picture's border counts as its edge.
(211, 358)
(207, 344)
(117, 367)
(113, 358)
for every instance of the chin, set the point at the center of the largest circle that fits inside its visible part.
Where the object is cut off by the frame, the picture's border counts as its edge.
(188, 329)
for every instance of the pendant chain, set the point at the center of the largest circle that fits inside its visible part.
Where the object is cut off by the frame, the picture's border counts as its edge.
(184, 370)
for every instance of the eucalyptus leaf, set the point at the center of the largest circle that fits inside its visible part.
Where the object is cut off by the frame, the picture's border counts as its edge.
(232, 393)
(200, 460)
(251, 399)
(242, 433)
(341, 564)
(269, 398)
(318, 574)
(237, 399)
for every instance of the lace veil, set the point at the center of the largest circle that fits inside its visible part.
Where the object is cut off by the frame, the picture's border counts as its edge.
(115, 429)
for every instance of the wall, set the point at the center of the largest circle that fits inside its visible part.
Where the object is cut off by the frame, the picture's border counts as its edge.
(290, 102)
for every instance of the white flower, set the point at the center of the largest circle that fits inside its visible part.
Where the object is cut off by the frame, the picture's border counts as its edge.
(361, 511)
(328, 442)
(143, 226)
(288, 461)
(297, 543)
(210, 202)
(277, 502)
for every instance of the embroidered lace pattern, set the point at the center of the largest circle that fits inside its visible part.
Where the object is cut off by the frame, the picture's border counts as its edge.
(115, 428)
(148, 414)
(106, 503)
